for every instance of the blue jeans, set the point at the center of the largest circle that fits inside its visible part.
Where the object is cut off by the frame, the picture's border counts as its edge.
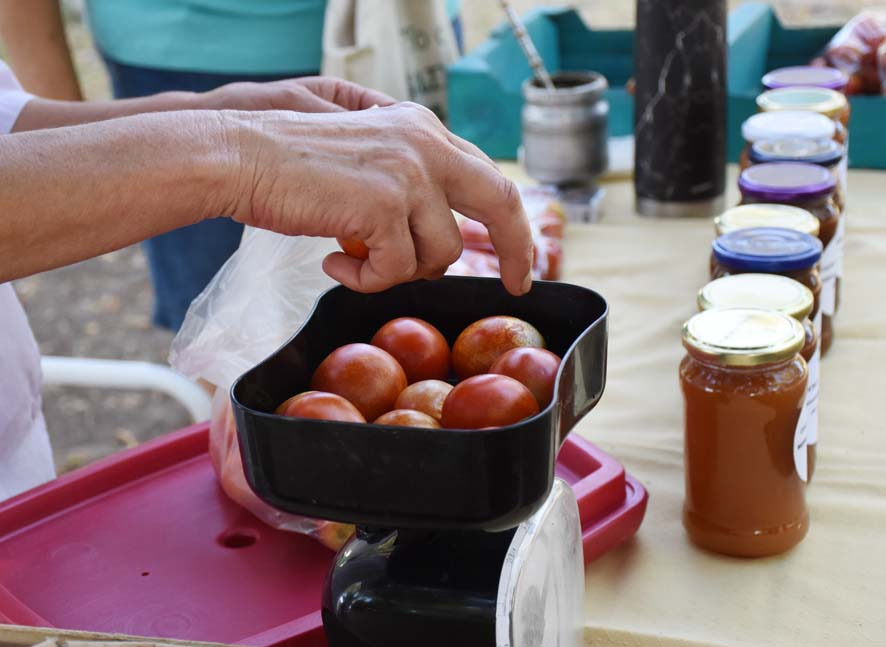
(182, 261)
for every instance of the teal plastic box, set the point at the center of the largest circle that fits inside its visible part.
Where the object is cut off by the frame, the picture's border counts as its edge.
(485, 100)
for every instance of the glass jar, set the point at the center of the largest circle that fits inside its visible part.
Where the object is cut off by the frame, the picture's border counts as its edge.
(747, 216)
(806, 75)
(770, 250)
(812, 188)
(744, 386)
(822, 152)
(790, 297)
(787, 123)
(824, 101)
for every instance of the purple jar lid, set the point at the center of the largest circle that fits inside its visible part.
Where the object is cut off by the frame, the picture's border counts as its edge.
(819, 77)
(786, 182)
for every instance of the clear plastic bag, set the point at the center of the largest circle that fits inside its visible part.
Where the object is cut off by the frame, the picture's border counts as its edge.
(256, 302)
(854, 50)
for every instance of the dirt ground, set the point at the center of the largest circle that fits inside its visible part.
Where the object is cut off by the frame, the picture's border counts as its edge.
(101, 308)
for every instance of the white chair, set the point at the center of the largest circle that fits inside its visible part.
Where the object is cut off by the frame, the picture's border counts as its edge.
(127, 374)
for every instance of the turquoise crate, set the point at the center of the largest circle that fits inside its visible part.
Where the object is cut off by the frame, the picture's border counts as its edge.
(484, 87)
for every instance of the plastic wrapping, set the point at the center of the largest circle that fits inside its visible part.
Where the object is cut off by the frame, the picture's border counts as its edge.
(256, 302)
(857, 50)
(547, 221)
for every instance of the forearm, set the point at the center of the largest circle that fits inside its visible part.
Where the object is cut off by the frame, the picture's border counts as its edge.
(73, 193)
(44, 113)
(37, 50)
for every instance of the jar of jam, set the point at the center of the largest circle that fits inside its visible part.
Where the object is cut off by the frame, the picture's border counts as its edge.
(823, 152)
(812, 188)
(787, 123)
(748, 216)
(824, 101)
(806, 75)
(744, 385)
(785, 295)
(770, 250)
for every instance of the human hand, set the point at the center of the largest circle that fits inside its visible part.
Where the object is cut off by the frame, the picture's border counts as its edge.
(388, 177)
(306, 94)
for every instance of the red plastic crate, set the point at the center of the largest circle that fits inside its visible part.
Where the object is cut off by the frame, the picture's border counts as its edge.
(146, 543)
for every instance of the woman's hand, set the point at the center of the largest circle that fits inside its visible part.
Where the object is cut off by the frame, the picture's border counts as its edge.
(306, 94)
(388, 177)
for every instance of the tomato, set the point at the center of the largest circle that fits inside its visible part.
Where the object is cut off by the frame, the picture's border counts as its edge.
(475, 235)
(551, 222)
(426, 396)
(487, 401)
(419, 347)
(366, 376)
(354, 247)
(320, 406)
(484, 341)
(407, 418)
(534, 368)
(548, 255)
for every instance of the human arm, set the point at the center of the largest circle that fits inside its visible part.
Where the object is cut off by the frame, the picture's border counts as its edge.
(34, 37)
(386, 176)
(308, 94)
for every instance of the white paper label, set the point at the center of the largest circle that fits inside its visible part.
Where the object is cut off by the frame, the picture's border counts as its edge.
(829, 263)
(816, 324)
(812, 388)
(839, 238)
(800, 441)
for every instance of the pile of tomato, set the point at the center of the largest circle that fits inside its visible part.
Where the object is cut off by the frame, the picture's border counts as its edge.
(502, 373)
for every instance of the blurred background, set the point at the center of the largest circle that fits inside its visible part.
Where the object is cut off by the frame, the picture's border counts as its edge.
(101, 308)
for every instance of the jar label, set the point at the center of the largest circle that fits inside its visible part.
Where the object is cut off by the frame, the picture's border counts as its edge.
(839, 238)
(829, 265)
(812, 387)
(816, 324)
(801, 440)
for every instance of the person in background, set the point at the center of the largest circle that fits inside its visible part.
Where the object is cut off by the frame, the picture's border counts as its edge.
(153, 46)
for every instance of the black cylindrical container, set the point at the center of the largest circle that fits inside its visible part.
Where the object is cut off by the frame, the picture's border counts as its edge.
(680, 107)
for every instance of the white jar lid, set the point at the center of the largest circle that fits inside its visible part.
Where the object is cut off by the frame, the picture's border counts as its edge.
(787, 123)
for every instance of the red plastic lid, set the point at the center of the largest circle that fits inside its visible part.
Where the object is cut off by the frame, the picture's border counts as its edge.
(146, 543)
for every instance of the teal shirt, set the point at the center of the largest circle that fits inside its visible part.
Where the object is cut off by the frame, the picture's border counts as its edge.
(216, 36)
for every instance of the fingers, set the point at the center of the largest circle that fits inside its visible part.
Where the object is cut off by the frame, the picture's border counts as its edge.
(347, 95)
(467, 147)
(436, 237)
(482, 193)
(391, 261)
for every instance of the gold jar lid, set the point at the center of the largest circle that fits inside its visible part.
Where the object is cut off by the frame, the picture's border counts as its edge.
(785, 216)
(743, 336)
(824, 101)
(768, 291)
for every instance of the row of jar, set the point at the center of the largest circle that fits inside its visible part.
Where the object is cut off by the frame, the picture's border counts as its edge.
(750, 377)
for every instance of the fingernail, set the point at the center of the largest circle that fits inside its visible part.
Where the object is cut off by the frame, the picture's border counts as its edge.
(527, 283)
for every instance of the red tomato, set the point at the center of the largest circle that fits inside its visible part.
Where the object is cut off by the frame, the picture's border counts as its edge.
(475, 235)
(354, 247)
(407, 418)
(320, 406)
(551, 222)
(419, 347)
(487, 401)
(426, 396)
(484, 341)
(534, 368)
(366, 376)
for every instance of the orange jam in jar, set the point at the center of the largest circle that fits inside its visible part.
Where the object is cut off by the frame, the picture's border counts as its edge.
(744, 385)
(785, 295)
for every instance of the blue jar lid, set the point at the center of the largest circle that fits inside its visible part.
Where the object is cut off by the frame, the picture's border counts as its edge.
(767, 249)
(822, 152)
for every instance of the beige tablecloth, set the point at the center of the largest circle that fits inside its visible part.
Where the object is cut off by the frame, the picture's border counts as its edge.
(660, 590)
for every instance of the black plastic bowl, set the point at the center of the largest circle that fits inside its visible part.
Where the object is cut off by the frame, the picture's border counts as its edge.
(404, 477)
